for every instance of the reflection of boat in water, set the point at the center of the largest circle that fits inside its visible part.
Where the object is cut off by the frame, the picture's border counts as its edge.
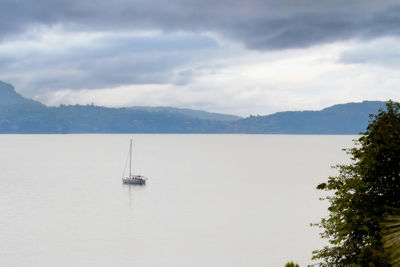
(132, 178)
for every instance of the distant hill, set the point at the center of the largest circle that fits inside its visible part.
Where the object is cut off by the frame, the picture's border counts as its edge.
(21, 115)
(191, 113)
(8, 96)
(350, 118)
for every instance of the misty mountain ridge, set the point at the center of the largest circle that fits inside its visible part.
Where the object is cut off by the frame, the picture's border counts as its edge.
(8, 96)
(21, 115)
(200, 114)
(350, 118)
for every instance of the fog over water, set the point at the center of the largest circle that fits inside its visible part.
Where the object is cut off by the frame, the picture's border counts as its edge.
(211, 200)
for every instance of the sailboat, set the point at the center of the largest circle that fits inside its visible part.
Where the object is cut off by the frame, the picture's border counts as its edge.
(132, 178)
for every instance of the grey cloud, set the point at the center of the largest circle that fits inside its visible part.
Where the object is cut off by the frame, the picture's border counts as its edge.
(311, 27)
(296, 31)
(258, 24)
(385, 52)
(113, 61)
(183, 77)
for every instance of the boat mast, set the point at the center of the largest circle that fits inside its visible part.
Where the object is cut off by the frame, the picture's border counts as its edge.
(130, 161)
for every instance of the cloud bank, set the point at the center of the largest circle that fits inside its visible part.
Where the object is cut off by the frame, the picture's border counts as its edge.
(258, 24)
(253, 56)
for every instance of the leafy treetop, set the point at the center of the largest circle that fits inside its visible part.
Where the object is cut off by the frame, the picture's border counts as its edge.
(291, 264)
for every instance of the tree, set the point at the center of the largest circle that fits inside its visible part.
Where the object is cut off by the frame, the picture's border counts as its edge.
(291, 264)
(363, 191)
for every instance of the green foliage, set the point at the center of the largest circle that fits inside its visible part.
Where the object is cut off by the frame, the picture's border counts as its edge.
(291, 264)
(362, 193)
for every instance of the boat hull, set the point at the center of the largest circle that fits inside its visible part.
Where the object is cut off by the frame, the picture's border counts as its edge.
(135, 181)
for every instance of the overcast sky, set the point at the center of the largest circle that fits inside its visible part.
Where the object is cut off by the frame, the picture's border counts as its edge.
(241, 57)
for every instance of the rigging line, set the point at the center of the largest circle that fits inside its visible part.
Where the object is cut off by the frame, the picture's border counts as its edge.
(126, 163)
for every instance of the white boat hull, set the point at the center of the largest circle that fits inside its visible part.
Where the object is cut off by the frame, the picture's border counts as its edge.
(137, 180)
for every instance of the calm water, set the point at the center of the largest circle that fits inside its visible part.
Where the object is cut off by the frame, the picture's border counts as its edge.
(211, 200)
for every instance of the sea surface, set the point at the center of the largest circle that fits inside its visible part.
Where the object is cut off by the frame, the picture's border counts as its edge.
(210, 200)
